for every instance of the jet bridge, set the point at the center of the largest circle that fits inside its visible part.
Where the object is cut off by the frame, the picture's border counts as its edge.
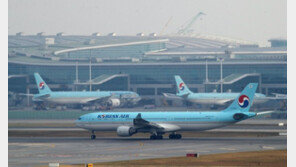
(231, 80)
(103, 79)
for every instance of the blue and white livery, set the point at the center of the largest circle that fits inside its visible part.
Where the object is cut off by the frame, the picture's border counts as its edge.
(184, 93)
(113, 98)
(159, 123)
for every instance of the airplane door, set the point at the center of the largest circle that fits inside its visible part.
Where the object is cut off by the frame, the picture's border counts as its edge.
(170, 118)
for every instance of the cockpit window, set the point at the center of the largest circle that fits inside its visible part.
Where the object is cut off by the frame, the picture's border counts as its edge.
(79, 118)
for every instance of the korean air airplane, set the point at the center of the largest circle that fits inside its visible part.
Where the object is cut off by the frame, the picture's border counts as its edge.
(158, 123)
(80, 97)
(207, 98)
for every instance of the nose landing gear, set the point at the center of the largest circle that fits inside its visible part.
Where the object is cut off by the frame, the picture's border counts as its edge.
(93, 136)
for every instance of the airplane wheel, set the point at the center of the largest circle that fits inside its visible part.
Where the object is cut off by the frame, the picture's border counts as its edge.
(171, 136)
(153, 137)
(160, 137)
(93, 137)
(175, 136)
(178, 136)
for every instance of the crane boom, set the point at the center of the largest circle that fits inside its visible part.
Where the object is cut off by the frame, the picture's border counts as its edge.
(165, 26)
(189, 25)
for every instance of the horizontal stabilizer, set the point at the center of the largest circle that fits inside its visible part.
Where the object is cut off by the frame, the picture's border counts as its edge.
(265, 112)
(24, 94)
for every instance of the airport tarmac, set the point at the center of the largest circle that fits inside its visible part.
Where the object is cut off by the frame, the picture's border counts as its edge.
(59, 141)
(34, 151)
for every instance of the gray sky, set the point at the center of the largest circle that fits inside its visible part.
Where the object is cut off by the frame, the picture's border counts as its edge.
(250, 20)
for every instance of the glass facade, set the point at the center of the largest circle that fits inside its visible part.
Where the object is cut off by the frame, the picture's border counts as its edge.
(150, 74)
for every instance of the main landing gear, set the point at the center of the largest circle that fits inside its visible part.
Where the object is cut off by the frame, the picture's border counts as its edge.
(171, 136)
(93, 136)
(175, 136)
(155, 137)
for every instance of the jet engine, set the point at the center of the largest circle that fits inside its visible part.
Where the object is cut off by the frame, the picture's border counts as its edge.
(113, 102)
(125, 131)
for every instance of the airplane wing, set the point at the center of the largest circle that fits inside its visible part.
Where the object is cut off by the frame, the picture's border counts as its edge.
(96, 99)
(185, 95)
(277, 98)
(139, 122)
(142, 124)
(279, 95)
(42, 97)
(226, 101)
(171, 96)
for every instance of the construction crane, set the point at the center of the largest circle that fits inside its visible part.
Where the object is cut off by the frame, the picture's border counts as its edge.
(186, 28)
(166, 25)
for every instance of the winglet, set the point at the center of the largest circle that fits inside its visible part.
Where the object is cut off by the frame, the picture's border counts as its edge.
(139, 116)
(139, 120)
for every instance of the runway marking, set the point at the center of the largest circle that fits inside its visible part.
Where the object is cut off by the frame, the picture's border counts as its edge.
(267, 147)
(230, 149)
(126, 148)
(32, 144)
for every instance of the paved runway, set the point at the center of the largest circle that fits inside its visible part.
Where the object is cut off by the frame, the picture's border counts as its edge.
(25, 151)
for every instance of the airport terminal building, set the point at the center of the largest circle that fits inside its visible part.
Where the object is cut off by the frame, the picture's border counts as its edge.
(144, 64)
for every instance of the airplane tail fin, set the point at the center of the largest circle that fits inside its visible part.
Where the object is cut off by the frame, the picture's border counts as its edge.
(181, 86)
(244, 101)
(42, 86)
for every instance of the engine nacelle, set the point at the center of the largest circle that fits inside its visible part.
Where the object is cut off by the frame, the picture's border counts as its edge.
(126, 131)
(113, 102)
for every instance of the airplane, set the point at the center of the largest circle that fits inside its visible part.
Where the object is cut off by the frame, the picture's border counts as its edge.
(81, 97)
(184, 93)
(158, 123)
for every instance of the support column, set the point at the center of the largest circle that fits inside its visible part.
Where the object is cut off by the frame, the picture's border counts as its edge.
(128, 83)
(90, 84)
(221, 74)
(260, 82)
(76, 80)
(27, 91)
(207, 77)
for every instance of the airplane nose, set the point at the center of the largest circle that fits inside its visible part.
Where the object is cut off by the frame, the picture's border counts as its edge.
(138, 98)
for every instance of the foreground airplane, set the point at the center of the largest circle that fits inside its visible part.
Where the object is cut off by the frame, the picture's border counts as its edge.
(81, 97)
(159, 123)
(207, 98)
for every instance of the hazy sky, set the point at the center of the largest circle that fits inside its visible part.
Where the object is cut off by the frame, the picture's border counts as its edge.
(250, 20)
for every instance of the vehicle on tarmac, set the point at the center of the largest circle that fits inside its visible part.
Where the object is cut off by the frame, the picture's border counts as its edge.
(158, 123)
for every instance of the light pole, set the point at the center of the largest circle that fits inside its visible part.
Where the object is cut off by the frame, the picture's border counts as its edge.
(90, 71)
(207, 79)
(221, 74)
(76, 69)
